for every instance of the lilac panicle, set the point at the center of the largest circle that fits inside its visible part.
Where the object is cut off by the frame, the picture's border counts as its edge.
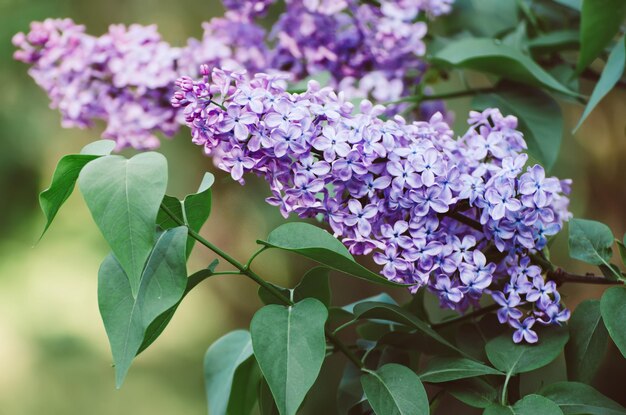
(430, 208)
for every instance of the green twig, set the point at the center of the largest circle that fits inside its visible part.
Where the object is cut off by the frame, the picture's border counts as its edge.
(243, 270)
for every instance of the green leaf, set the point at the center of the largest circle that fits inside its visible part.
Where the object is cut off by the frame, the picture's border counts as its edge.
(473, 392)
(99, 148)
(588, 341)
(194, 210)
(529, 405)
(314, 284)
(289, 344)
(487, 55)
(124, 197)
(572, 4)
(395, 390)
(611, 74)
(445, 369)
(161, 286)
(481, 17)
(555, 41)
(378, 298)
(267, 406)
(391, 312)
(514, 358)
(243, 394)
(613, 309)
(590, 241)
(579, 399)
(65, 176)
(599, 23)
(539, 117)
(622, 249)
(317, 244)
(220, 363)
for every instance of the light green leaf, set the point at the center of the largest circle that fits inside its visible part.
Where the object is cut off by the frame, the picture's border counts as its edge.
(613, 71)
(317, 244)
(613, 309)
(161, 286)
(124, 197)
(588, 341)
(514, 358)
(599, 23)
(445, 369)
(220, 363)
(539, 117)
(554, 41)
(590, 242)
(473, 392)
(289, 344)
(572, 4)
(391, 312)
(579, 399)
(487, 55)
(99, 148)
(395, 390)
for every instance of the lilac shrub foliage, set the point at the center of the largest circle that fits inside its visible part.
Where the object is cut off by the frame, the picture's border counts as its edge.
(126, 76)
(431, 209)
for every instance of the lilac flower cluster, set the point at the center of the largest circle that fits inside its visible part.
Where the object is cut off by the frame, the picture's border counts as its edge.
(451, 215)
(122, 77)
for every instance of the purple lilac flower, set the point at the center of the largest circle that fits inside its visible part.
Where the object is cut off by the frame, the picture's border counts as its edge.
(523, 331)
(394, 188)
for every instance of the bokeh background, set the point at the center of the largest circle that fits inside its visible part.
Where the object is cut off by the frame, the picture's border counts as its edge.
(54, 355)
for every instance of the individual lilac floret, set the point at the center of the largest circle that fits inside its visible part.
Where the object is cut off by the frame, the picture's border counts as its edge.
(448, 214)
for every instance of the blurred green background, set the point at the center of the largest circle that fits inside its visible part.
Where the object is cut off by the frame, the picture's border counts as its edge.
(54, 355)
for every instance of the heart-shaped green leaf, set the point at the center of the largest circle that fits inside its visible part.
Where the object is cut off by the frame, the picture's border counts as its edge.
(528, 405)
(590, 241)
(588, 341)
(513, 358)
(161, 286)
(395, 390)
(289, 344)
(123, 196)
(613, 309)
(320, 246)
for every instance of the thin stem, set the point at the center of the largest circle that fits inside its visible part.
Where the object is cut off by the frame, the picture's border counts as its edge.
(505, 388)
(466, 317)
(218, 104)
(256, 278)
(445, 95)
(256, 254)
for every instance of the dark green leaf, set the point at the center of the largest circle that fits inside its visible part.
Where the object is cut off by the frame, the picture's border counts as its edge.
(588, 340)
(220, 363)
(470, 339)
(243, 394)
(590, 241)
(514, 358)
(622, 249)
(317, 244)
(572, 4)
(193, 211)
(267, 406)
(473, 392)
(481, 17)
(531, 382)
(65, 176)
(599, 23)
(613, 308)
(395, 390)
(124, 197)
(487, 55)
(611, 74)
(289, 344)
(162, 285)
(391, 312)
(314, 284)
(579, 399)
(445, 369)
(529, 405)
(539, 117)
(554, 41)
